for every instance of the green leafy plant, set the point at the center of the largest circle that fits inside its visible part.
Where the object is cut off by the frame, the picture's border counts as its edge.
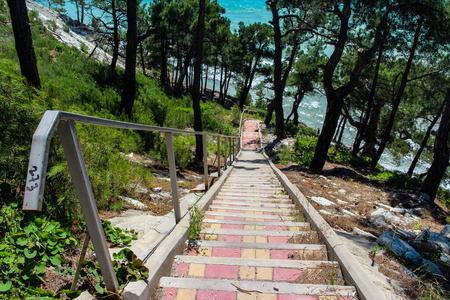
(126, 266)
(25, 253)
(117, 236)
(373, 253)
(195, 223)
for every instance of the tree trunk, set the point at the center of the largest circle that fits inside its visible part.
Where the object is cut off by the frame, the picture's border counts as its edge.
(441, 153)
(277, 73)
(163, 50)
(206, 82)
(269, 112)
(82, 12)
(365, 119)
(424, 141)
(398, 97)
(297, 100)
(333, 112)
(339, 140)
(142, 60)
(183, 72)
(197, 76)
(115, 56)
(24, 42)
(214, 78)
(129, 77)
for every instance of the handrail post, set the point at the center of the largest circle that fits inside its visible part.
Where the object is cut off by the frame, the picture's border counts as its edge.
(205, 161)
(225, 148)
(173, 176)
(80, 179)
(231, 150)
(218, 155)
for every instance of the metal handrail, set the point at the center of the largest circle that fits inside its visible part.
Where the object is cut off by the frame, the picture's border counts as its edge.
(65, 123)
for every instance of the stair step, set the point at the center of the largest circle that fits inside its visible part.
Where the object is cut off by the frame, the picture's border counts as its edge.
(265, 287)
(252, 196)
(229, 215)
(281, 201)
(305, 225)
(247, 232)
(252, 209)
(265, 226)
(221, 203)
(257, 250)
(256, 262)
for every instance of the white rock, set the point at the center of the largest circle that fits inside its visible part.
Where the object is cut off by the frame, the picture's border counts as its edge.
(324, 212)
(85, 296)
(157, 189)
(379, 211)
(134, 202)
(322, 201)
(341, 202)
(360, 232)
(342, 191)
(347, 212)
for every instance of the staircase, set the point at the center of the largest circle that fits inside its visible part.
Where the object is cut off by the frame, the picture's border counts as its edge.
(254, 244)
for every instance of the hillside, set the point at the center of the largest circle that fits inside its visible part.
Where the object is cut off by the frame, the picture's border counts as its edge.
(121, 163)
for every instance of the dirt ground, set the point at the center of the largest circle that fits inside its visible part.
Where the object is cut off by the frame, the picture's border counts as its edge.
(347, 198)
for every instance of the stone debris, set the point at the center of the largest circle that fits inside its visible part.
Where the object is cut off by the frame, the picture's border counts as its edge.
(134, 202)
(378, 222)
(322, 201)
(363, 233)
(85, 296)
(404, 250)
(446, 231)
(324, 212)
(436, 240)
(387, 214)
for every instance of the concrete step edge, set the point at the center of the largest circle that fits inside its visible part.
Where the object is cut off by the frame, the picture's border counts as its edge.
(256, 262)
(256, 204)
(239, 215)
(268, 287)
(248, 232)
(271, 246)
(255, 209)
(261, 223)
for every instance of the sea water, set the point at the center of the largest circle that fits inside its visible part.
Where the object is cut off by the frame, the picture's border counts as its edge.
(313, 107)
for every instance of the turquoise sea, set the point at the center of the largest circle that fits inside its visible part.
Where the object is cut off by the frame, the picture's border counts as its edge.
(312, 109)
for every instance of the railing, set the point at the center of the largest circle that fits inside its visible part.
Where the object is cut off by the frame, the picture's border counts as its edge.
(65, 123)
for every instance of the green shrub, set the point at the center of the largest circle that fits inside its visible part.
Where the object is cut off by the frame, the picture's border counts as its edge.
(196, 216)
(285, 155)
(304, 147)
(398, 180)
(444, 196)
(291, 129)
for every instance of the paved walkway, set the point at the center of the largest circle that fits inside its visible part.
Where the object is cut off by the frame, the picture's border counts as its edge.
(246, 251)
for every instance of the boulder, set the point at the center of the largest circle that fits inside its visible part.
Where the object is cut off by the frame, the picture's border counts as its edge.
(399, 247)
(435, 240)
(404, 250)
(446, 231)
(378, 222)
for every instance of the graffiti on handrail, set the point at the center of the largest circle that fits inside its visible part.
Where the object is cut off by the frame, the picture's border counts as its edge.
(32, 171)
